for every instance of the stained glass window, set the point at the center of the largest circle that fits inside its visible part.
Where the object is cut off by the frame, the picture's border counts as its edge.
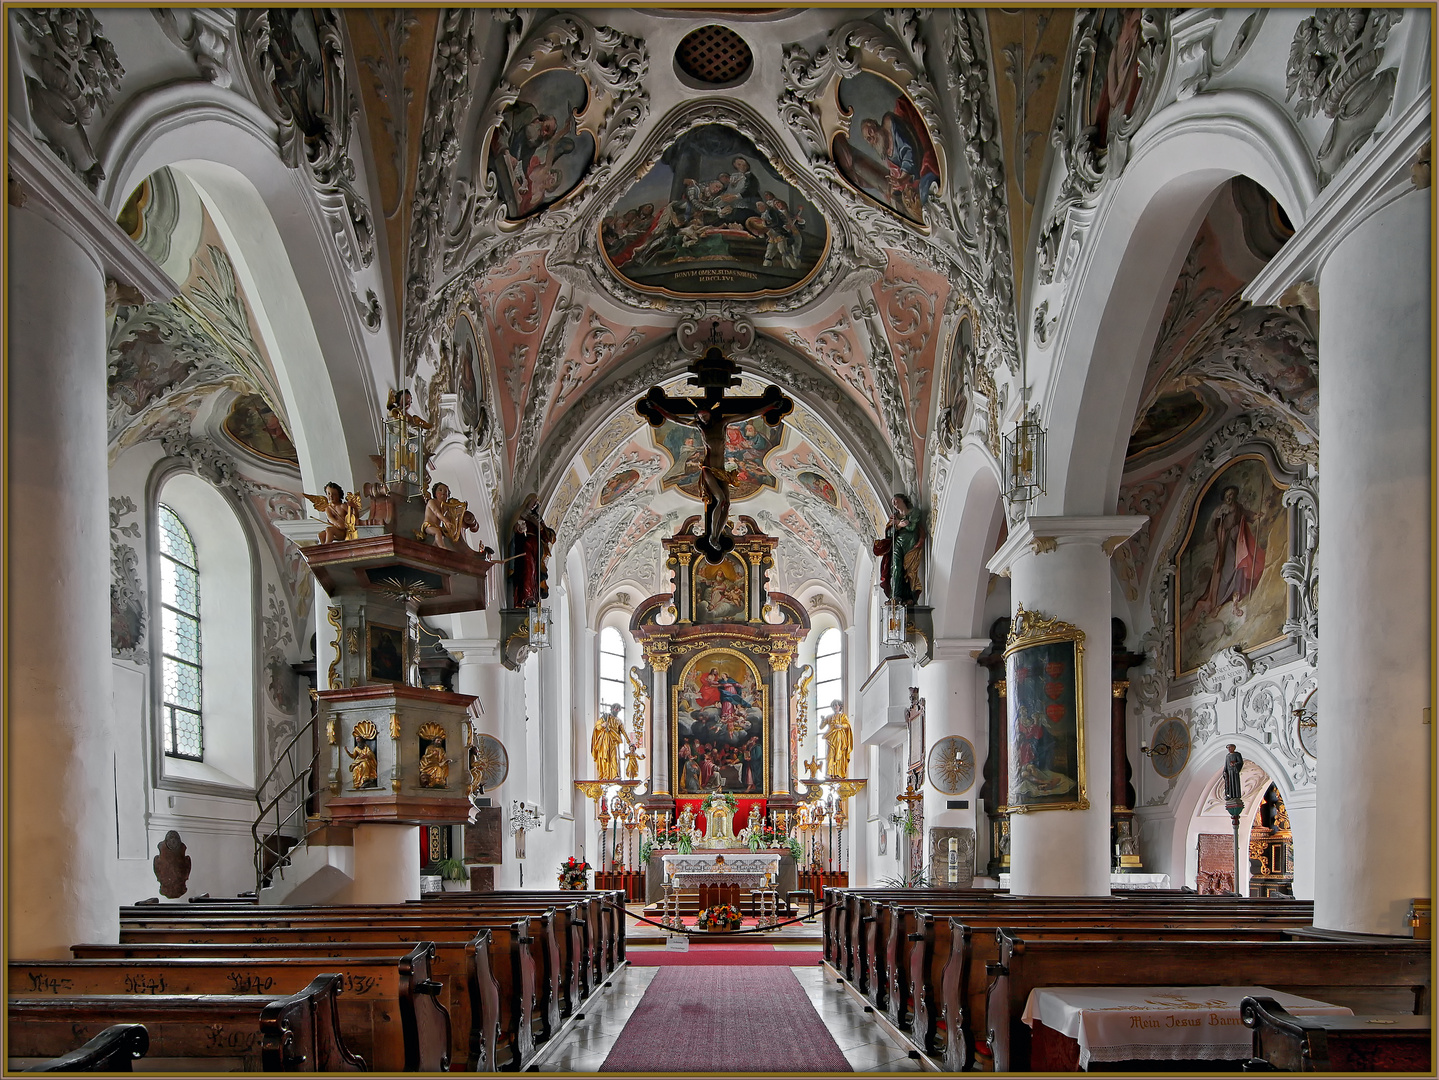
(180, 639)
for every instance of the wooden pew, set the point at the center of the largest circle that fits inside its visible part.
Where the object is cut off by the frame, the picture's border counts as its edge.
(1345, 1044)
(294, 1033)
(463, 966)
(510, 963)
(559, 948)
(113, 1050)
(1364, 976)
(390, 1011)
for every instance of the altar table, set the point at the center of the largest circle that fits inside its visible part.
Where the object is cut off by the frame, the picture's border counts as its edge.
(1149, 1023)
(747, 869)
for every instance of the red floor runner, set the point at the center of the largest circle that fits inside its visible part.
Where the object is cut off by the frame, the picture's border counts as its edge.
(743, 1020)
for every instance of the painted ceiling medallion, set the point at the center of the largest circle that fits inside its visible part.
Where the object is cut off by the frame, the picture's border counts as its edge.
(712, 217)
(888, 154)
(538, 153)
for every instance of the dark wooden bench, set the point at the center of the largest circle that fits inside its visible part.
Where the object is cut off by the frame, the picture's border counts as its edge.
(294, 1033)
(115, 1049)
(1364, 976)
(1346, 1044)
(390, 1012)
(512, 964)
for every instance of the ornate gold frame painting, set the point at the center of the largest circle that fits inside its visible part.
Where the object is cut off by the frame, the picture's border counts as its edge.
(719, 731)
(1044, 668)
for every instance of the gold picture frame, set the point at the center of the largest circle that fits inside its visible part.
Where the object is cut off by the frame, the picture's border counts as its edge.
(1044, 674)
(682, 690)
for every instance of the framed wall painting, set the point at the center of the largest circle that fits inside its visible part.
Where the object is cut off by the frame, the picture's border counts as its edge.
(721, 593)
(1044, 665)
(720, 733)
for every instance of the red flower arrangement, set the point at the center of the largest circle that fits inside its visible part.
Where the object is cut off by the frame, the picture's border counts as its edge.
(574, 873)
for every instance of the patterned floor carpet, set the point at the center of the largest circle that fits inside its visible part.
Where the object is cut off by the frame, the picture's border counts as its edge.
(738, 1019)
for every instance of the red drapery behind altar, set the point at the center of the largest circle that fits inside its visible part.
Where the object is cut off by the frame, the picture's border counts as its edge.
(741, 814)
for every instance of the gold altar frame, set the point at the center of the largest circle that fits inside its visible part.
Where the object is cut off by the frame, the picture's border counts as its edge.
(1032, 631)
(762, 693)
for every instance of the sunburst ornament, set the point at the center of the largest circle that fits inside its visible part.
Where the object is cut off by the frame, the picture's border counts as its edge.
(951, 765)
(1170, 750)
(489, 763)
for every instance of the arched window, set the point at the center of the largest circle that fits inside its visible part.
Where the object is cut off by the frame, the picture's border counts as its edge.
(184, 732)
(828, 670)
(612, 668)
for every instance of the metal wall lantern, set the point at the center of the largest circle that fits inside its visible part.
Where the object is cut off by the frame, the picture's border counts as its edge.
(540, 626)
(894, 623)
(1024, 461)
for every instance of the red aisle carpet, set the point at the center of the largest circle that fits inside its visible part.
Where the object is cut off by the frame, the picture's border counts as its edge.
(751, 1019)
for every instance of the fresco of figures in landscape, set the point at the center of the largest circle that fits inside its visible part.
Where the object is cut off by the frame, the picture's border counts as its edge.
(746, 447)
(888, 153)
(1045, 735)
(712, 217)
(538, 155)
(720, 591)
(254, 426)
(719, 726)
(1230, 589)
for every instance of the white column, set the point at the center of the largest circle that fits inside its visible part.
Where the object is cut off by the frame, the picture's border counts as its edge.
(481, 675)
(660, 780)
(1059, 568)
(951, 692)
(61, 786)
(778, 749)
(387, 864)
(1374, 783)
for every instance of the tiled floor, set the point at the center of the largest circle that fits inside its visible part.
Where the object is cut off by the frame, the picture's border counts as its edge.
(865, 1045)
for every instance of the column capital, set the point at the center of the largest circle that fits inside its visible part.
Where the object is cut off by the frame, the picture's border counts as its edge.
(1375, 177)
(958, 648)
(52, 191)
(477, 650)
(1037, 535)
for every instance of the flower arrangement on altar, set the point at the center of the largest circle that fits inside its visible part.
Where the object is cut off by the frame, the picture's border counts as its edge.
(719, 917)
(675, 836)
(574, 873)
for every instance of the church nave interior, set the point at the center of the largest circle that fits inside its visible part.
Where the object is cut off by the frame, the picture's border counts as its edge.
(838, 481)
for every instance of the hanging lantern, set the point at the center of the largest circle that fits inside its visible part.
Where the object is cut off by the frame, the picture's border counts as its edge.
(894, 628)
(540, 625)
(1024, 461)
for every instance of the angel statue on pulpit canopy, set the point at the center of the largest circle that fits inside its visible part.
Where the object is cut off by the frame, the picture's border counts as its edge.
(342, 513)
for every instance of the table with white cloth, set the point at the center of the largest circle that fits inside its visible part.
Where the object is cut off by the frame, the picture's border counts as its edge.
(1154, 1023)
(748, 869)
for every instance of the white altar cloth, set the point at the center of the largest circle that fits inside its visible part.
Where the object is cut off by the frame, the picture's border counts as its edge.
(1158, 1023)
(751, 864)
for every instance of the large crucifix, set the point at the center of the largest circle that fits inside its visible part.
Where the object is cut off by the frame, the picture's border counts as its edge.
(711, 414)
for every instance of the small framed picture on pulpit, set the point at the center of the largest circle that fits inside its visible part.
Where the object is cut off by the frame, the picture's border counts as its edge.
(1045, 674)
(385, 653)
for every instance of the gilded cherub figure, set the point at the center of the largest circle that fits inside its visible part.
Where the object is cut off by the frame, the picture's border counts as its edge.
(446, 520)
(342, 513)
(398, 406)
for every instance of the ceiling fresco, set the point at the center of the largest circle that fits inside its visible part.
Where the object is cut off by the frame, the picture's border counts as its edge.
(600, 196)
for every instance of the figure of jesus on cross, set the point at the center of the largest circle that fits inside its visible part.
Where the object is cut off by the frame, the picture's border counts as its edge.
(712, 413)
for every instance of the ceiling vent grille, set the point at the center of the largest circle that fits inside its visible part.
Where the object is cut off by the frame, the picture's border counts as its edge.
(715, 55)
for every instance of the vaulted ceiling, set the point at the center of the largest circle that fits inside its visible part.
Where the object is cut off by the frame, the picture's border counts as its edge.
(567, 188)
